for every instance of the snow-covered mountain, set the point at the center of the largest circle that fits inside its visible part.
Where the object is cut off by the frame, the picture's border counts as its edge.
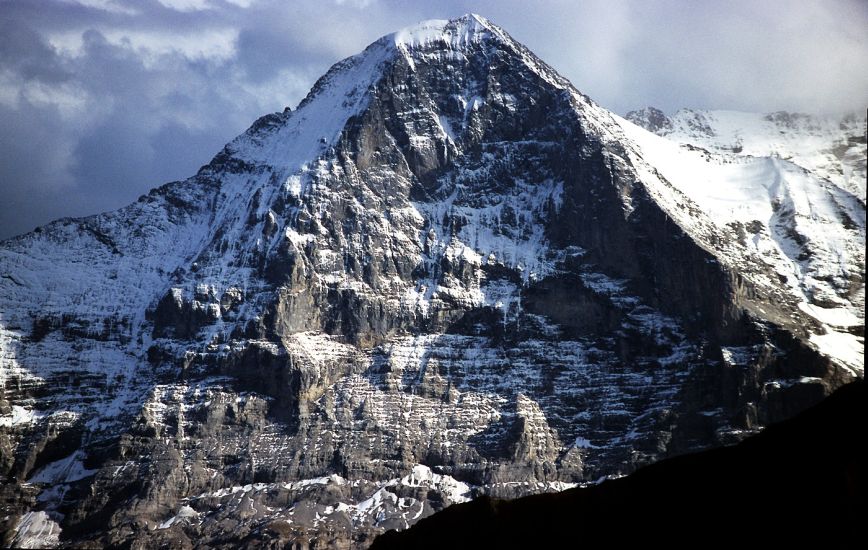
(832, 148)
(790, 188)
(445, 273)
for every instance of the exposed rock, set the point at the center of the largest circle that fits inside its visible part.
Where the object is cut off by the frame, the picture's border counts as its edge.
(811, 462)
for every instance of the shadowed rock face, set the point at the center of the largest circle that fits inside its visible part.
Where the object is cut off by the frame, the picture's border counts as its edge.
(444, 275)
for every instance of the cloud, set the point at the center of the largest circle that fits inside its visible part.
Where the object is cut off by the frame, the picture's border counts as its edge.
(100, 100)
(186, 5)
(797, 55)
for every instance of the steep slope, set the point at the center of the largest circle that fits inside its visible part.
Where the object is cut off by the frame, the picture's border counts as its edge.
(785, 228)
(446, 273)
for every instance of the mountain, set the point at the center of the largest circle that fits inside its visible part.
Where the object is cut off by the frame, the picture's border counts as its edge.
(770, 182)
(447, 273)
(832, 148)
(704, 495)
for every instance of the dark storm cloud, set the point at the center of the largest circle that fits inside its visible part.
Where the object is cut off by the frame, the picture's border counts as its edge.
(101, 100)
(23, 51)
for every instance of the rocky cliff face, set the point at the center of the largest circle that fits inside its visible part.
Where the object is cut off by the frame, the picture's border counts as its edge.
(446, 273)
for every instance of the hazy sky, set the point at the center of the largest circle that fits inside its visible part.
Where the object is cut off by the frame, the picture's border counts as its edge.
(101, 100)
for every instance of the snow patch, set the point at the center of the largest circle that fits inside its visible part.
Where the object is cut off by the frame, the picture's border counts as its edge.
(36, 530)
(19, 416)
(65, 470)
(848, 349)
(582, 443)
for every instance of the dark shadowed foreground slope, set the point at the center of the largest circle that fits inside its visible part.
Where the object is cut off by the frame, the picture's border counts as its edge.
(800, 483)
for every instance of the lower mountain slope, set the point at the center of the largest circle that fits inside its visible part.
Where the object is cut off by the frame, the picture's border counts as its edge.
(804, 477)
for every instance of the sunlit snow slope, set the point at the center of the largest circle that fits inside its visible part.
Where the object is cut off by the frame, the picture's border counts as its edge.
(830, 147)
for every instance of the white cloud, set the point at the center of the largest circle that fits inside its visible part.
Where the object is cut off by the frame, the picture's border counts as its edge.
(213, 44)
(70, 100)
(111, 6)
(217, 44)
(186, 5)
(355, 3)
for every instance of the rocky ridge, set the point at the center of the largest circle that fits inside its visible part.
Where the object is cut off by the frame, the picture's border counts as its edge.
(446, 273)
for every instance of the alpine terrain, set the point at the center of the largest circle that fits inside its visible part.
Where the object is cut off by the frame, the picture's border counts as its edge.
(447, 273)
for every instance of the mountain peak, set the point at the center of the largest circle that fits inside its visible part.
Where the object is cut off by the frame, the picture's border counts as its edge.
(346, 88)
(467, 29)
(650, 118)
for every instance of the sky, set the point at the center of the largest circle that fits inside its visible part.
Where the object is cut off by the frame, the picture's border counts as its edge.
(102, 100)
